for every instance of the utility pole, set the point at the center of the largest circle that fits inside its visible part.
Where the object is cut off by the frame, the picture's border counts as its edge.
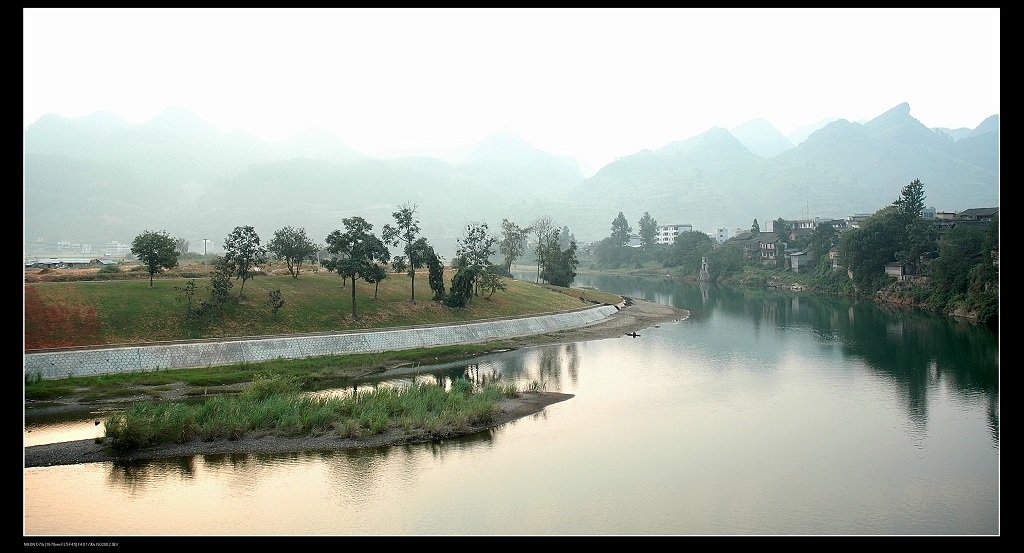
(206, 261)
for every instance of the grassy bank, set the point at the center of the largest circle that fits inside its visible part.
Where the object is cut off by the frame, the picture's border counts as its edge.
(273, 404)
(85, 313)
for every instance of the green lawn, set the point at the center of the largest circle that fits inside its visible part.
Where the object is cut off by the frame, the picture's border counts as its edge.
(64, 314)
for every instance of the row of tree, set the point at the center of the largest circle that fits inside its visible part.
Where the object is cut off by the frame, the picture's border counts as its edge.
(356, 253)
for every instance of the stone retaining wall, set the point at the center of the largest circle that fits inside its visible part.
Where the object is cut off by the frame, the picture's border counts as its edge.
(88, 362)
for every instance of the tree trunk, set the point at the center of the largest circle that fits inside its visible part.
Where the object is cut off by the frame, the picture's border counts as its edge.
(353, 298)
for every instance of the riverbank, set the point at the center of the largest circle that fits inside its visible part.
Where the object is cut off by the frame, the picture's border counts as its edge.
(633, 317)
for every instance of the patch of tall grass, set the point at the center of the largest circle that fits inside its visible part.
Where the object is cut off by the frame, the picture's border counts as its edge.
(273, 404)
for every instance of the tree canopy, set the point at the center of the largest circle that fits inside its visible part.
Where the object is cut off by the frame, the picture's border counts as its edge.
(620, 230)
(476, 246)
(648, 229)
(513, 243)
(356, 253)
(156, 250)
(243, 254)
(293, 246)
(406, 230)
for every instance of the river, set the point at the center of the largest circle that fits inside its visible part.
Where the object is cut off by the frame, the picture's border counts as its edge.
(763, 413)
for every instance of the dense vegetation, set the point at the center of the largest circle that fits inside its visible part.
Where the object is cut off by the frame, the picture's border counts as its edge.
(273, 404)
(953, 271)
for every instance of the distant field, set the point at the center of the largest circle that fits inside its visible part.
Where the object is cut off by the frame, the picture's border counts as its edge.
(84, 313)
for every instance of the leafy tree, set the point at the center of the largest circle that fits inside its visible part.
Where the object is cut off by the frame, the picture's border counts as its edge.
(911, 202)
(960, 250)
(355, 253)
(688, 250)
(375, 276)
(243, 254)
(620, 231)
(648, 229)
(435, 275)
(293, 246)
(917, 236)
(783, 228)
(541, 228)
(491, 280)
(220, 283)
(565, 238)
(462, 286)
(476, 246)
(866, 250)
(513, 243)
(188, 292)
(275, 300)
(823, 238)
(406, 229)
(398, 264)
(156, 250)
(182, 246)
(724, 261)
(755, 228)
(561, 267)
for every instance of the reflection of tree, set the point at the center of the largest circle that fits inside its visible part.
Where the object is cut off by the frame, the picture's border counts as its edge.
(135, 476)
(550, 367)
(572, 366)
(913, 348)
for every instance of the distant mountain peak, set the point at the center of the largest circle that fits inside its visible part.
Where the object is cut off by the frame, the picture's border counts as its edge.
(762, 138)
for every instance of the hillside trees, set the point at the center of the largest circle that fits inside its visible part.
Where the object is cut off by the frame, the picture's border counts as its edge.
(356, 253)
(293, 246)
(156, 250)
(243, 254)
(406, 230)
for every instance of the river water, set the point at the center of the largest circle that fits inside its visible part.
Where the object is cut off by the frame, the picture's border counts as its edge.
(763, 413)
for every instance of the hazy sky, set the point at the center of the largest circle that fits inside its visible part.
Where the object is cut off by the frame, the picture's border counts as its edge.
(595, 84)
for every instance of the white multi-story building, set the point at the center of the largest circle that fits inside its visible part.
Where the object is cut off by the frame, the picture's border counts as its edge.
(667, 233)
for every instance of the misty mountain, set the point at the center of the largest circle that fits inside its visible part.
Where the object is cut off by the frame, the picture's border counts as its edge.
(798, 136)
(762, 138)
(96, 179)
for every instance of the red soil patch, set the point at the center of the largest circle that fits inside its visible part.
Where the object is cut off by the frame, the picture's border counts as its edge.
(55, 326)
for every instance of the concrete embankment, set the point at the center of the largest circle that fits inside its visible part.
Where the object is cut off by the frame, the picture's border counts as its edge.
(180, 355)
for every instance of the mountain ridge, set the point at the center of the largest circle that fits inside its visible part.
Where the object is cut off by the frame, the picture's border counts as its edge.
(98, 178)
